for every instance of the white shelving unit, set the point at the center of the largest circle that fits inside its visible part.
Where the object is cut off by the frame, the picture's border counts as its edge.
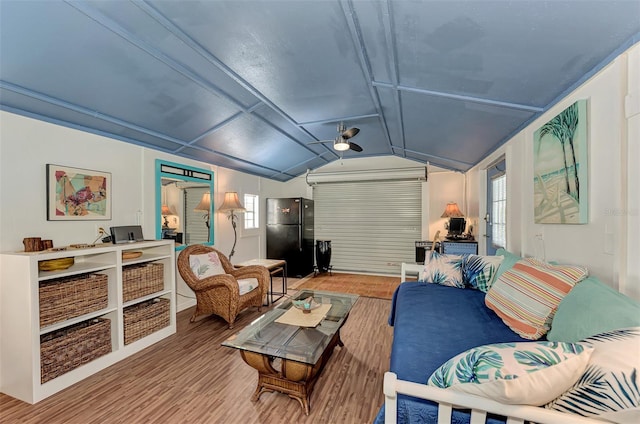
(20, 312)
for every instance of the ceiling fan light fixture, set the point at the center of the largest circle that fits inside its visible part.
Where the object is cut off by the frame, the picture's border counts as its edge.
(340, 144)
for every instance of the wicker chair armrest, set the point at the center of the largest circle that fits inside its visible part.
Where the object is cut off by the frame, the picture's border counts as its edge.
(254, 271)
(221, 280)
(251, 271)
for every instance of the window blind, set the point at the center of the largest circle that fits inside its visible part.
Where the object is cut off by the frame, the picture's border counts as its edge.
(196, 230)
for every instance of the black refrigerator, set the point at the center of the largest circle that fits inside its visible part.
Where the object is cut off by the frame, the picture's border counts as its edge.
(290, 234)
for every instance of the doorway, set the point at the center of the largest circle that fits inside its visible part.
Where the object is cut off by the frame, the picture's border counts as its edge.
(496, 215)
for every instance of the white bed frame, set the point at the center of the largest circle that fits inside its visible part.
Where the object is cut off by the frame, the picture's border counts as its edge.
(449, 400)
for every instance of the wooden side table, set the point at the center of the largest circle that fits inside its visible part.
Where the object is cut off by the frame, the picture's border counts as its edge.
(276, 267)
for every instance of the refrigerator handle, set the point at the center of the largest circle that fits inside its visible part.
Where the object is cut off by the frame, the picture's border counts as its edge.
(300, 237)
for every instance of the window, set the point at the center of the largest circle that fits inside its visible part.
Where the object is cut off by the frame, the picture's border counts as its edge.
(251, 202)
(499, 211)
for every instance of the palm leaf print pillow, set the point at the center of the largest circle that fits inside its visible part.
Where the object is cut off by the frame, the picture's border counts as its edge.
(610, 386)
(479, 272)
(443, 269)
(527, 373)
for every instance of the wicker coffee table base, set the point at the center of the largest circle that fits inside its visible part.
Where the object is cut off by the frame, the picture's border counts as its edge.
(295, 379)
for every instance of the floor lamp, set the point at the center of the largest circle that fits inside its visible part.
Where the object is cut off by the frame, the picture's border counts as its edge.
(232, 205)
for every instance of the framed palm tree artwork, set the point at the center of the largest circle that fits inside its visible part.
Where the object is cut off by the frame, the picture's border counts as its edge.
(560, 179)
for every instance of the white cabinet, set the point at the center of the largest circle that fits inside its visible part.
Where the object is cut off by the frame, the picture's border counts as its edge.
(23, 338)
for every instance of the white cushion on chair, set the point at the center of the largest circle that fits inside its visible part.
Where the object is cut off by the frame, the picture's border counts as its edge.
(206, 265)
(247, 284)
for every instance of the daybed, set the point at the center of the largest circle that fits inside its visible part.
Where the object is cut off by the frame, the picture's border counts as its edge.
(433, 323)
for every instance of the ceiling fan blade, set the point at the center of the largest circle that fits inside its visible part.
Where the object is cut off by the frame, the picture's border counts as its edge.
(351, 132)
(355, 147)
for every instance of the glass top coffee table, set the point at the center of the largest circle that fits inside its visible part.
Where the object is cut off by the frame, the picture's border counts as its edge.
(301, 351)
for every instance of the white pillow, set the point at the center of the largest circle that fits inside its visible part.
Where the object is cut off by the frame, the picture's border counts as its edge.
(443, 269)
(206, 265)
(610, 385)
(524, 373)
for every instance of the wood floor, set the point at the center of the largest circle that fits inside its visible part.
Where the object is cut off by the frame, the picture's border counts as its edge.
(191, 378)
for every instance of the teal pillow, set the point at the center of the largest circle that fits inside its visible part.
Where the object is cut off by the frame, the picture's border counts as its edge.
(508, 262)
(592, 308)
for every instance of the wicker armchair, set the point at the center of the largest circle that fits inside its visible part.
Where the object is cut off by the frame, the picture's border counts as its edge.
(219, 294)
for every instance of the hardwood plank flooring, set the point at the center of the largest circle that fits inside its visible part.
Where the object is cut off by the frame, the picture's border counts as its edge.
(190, 378)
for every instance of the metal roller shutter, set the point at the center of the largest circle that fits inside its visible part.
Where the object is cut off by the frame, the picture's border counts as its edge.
(372, 225)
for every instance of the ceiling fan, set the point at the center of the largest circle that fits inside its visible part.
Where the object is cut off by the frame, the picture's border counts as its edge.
(341, 143)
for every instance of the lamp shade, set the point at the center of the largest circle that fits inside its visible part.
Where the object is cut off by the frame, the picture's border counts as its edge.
(166, 210)
(231, 203)
(452, 211)
(205, 203)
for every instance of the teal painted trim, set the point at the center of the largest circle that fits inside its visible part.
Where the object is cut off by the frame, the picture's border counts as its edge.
(160, 174)
(158, 222)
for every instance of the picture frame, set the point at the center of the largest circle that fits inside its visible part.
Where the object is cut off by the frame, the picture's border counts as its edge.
(77, 194)
(561, 167)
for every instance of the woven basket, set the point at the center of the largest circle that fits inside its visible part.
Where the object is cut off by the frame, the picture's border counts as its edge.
(141, 280)
(145, 318)
(70, 297)
(67, 349)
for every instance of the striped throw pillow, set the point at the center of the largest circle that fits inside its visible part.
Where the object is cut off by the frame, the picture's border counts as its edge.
(527, 296)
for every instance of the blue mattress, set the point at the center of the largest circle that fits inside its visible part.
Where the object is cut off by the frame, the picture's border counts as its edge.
(433, 323)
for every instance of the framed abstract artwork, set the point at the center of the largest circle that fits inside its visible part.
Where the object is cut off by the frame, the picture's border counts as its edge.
(561, 168)
(75, 194)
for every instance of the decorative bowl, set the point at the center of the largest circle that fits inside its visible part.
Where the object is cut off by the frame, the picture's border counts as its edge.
(131, 254)
(306, 305)
(55, 264)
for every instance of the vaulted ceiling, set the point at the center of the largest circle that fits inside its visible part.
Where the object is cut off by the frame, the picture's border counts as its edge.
(248, 85)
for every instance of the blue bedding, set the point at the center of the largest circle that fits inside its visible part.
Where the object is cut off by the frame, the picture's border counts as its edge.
(433, 323)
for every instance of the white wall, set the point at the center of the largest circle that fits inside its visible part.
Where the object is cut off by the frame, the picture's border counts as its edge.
(630, 274)
(601, 245)
(26, 146)
(445, 187)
